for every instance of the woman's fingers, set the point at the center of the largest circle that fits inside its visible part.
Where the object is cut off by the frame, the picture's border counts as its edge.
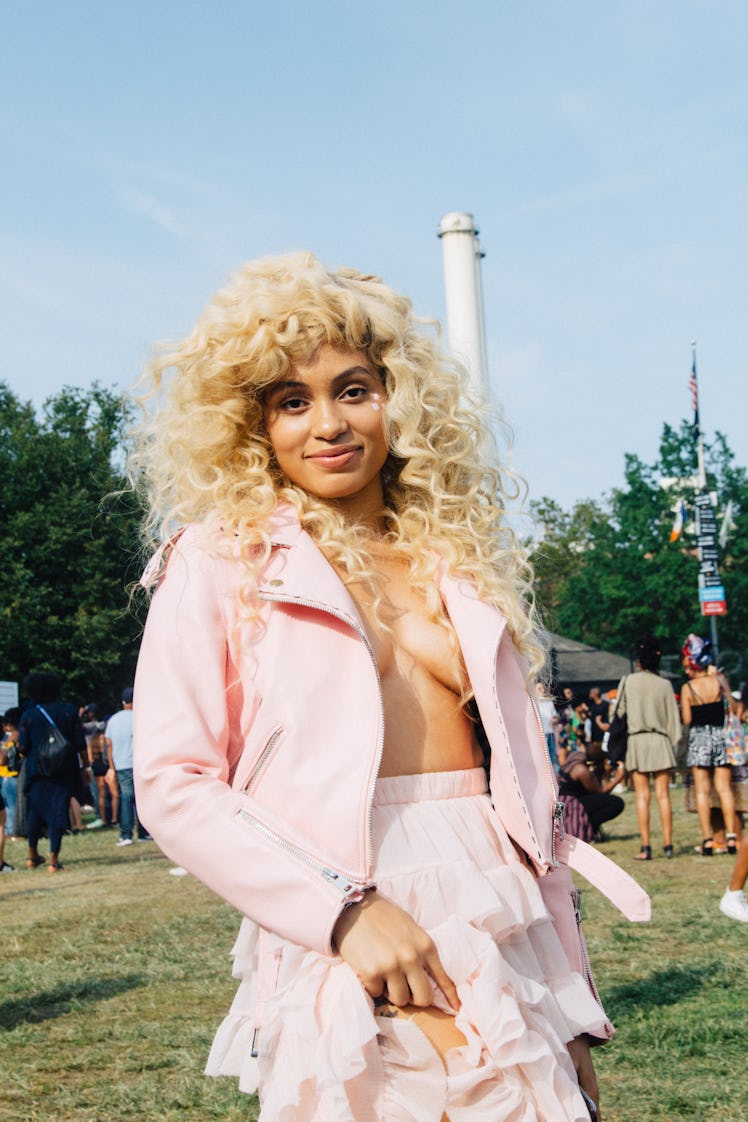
(443, 981)
(389, 950)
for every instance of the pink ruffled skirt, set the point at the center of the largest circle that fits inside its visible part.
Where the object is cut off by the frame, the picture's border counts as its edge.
(322, 1052)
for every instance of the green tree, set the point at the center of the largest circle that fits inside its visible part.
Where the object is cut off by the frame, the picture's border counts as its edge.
(69, 530)
(606, 570)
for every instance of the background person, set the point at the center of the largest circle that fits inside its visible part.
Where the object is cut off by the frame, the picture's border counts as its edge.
(105, 785)
(703, 701)
(578, 779)
(11, 761)
(733, 903)
(118, 747)
(48, 798)
(599, 722)
(648, 703)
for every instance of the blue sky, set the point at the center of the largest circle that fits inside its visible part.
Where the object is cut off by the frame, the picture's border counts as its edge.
(149, 148)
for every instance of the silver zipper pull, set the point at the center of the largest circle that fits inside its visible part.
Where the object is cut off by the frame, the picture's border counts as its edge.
(350, 892)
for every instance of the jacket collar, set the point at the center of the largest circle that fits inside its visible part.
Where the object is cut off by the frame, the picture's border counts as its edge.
(299, 571)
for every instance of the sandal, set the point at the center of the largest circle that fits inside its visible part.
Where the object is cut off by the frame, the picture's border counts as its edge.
(706, 849)
(34, 862)
(644, 854)
(732, 844)
(668, 851)
(58, 868)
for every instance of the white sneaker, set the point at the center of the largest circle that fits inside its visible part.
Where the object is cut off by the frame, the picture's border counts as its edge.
(95, 825)
(124, 841)
(734, 905)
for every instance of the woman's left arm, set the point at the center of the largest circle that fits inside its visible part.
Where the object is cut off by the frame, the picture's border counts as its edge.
(685, 706)
(579, 1050)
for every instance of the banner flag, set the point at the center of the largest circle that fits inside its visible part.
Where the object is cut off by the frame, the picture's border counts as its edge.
(680, 514)
(693, 386)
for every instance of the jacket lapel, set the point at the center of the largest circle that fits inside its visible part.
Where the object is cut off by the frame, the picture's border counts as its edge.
(300, 573)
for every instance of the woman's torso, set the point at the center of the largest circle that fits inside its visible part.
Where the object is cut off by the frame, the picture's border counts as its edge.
(707, 705)
(422, 675)
(649, 705)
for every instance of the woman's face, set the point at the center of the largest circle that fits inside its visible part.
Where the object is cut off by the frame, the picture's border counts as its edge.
(324, 423)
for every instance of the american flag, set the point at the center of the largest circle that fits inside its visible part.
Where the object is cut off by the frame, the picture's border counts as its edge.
(694, 388)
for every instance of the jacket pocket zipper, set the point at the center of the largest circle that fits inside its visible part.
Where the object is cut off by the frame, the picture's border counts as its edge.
(346, 886)
(262, 759)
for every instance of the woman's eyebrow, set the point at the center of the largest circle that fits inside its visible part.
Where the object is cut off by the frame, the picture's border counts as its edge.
(296, 384)
(286, 384)
(352, 370)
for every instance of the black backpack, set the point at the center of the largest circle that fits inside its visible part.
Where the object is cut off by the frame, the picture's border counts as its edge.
(54, 751)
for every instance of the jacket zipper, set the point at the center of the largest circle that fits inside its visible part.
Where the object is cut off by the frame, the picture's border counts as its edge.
(557, 831)
(263, 758)
(275, 597)
(577, 898)
(346, 886)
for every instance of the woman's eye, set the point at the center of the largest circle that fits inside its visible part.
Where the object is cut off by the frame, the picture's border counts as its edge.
(355, 392)
(292, 404)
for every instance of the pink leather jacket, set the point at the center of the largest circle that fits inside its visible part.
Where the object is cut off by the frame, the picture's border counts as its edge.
(255, 763)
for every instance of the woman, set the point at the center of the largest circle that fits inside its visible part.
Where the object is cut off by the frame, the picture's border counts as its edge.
(648, 703)
(339, 628)
(48, 797)
(105, 778)
(703, 699)
(578, 781)
(10, 765)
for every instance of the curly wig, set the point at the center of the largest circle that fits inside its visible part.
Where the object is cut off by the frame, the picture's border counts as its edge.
(202, 453)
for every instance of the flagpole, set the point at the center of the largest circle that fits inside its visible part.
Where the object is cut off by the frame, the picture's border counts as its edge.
(698, 436)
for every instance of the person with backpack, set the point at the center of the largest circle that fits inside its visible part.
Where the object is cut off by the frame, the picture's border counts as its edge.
(50, 736)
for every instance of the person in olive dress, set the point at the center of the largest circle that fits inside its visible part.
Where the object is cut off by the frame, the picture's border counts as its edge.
(648, 702)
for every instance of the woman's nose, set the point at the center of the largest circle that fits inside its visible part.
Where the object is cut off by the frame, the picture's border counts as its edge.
(329, 420)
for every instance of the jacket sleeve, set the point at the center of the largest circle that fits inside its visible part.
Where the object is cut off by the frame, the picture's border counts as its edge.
(185, 715)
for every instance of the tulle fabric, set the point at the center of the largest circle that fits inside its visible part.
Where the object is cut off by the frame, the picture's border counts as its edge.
(323, 1053)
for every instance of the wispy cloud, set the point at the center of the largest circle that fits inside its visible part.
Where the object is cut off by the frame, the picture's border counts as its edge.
(138, 202)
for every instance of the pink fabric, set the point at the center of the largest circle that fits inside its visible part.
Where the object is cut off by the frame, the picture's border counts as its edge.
(210, 704)
(324, 1054)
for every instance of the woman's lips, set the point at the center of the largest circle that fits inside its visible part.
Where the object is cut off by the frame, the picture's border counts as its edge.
(335, 457)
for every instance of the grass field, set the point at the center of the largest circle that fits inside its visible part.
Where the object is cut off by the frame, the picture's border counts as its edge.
(114, 976)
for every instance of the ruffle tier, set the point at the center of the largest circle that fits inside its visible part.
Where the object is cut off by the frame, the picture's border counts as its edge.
(323, 1052)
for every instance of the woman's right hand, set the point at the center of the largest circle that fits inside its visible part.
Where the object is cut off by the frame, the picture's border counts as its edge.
(391, 954)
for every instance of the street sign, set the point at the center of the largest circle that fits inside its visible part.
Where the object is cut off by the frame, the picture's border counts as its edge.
(711, 589)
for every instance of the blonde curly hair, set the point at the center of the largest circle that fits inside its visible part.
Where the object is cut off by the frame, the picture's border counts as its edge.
(202, 453)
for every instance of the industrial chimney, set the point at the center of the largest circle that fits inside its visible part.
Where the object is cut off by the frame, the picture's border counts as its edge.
(464, 293)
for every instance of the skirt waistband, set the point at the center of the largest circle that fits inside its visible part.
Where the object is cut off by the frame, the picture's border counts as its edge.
(430, 785)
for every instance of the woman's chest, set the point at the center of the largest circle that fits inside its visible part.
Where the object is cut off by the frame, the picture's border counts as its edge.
(404, 634)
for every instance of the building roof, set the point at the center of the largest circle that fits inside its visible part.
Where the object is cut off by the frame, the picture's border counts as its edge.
(581, 666)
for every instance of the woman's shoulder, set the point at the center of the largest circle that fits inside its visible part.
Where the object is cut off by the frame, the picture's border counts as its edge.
(196, 547)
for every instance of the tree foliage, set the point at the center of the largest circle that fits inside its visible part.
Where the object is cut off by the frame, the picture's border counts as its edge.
(606, 570)
(69, 542)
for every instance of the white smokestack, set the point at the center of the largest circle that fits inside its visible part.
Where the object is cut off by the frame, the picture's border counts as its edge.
(464, 293)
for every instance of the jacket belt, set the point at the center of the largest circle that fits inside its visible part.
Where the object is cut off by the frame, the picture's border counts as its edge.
(621, 889)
